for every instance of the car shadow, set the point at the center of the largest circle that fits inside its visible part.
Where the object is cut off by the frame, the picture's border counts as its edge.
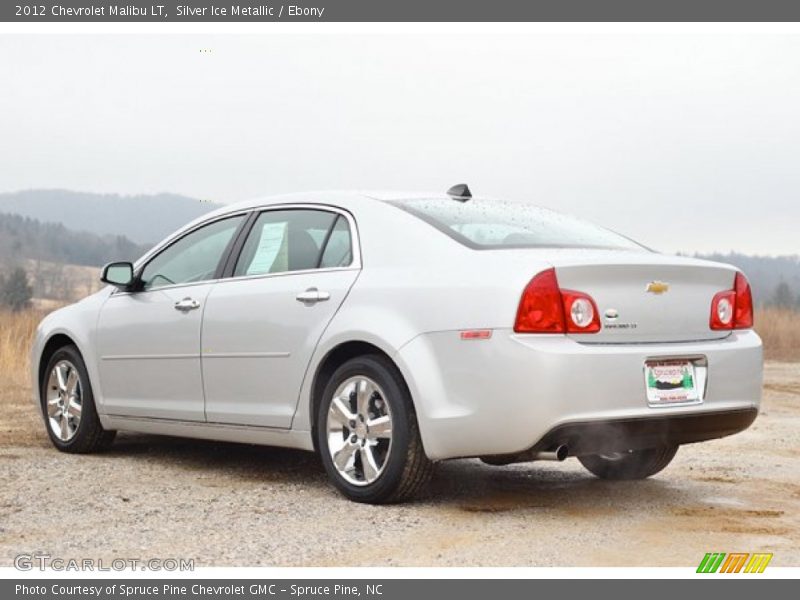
(244, 462)
(474, 487)
(467, 485)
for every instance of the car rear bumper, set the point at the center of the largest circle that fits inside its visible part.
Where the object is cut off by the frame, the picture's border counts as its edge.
(617, 435)
(511, 393)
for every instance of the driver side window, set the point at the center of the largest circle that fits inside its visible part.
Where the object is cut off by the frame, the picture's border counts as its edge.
(192, 258)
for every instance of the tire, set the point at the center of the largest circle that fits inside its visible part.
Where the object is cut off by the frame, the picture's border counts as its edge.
(634, 464)
(373, 468)
(81, 432)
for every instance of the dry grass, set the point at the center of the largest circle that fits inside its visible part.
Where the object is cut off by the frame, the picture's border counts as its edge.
(16, 333)
(780, 330)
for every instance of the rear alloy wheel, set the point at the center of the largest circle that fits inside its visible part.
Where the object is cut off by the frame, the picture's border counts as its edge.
(68, 405)
(367, 433)
(633, 464)
(359, 430)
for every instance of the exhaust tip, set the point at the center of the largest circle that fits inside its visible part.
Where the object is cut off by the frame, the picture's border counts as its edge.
(562, 452)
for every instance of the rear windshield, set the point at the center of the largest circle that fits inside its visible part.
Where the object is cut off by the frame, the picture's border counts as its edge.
(485, 224)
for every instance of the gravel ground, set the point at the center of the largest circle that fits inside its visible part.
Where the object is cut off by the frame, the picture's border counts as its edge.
(237, 505)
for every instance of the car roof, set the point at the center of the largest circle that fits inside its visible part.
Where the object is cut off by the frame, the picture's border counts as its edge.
(350, 200)
(341, 198)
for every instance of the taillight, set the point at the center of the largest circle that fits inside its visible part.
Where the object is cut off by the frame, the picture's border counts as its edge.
(540, 309)
(722, 308)
(545, 308)
(581, 312)
(743, 314)
(733, 309)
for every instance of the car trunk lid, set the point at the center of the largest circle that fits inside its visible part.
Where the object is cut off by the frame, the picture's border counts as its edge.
(645, 298)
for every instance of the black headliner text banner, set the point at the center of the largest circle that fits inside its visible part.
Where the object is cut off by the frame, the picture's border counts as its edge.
(402, 11)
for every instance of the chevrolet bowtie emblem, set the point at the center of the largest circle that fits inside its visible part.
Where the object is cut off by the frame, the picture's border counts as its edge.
(657, 287)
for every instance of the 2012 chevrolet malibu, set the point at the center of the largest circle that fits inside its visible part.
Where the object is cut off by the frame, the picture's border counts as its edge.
(390, 331)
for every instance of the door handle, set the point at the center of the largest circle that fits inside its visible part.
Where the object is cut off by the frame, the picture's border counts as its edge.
(312, 296)
(187, 304)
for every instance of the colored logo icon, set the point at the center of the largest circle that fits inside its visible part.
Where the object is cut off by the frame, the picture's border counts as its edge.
(735, 562)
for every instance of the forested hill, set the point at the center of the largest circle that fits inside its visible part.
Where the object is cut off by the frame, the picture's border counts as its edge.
(144, 219)
(79, 228)
(25, 238)
(775, 279)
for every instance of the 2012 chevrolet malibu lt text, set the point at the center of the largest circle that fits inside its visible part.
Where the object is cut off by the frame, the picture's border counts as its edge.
(390, 331)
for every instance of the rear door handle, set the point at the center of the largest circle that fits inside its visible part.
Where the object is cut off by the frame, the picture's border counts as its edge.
(187, 304)
(312, 296)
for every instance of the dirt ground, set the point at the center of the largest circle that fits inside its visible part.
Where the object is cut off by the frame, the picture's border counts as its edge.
(235, 505)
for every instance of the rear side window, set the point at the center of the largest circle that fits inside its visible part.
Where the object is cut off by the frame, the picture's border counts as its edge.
(294, 240)
(338, 250)
(486, 224)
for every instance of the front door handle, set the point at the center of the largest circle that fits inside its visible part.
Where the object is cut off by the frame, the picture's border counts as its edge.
(187, 304)
(312, 296)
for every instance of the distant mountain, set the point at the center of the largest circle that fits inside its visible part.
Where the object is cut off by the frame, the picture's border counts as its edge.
(765, 273)
(23, 238)
(90, 229)
(144, 219)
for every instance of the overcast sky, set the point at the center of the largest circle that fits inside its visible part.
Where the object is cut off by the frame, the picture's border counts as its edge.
(683, 142)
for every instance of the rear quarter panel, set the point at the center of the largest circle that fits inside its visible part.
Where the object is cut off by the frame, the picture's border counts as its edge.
(416, 280)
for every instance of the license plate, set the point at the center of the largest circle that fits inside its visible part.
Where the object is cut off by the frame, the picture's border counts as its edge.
(670, 382)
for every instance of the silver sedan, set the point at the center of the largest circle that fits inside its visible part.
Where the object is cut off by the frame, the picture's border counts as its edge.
(390, 331)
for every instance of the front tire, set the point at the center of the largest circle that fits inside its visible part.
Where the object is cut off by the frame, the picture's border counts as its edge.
(633, 464)
(367, 433)
(68, 405)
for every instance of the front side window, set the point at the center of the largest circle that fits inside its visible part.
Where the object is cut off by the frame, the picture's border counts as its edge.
(195, 257)
(486, 224)
(295, 240)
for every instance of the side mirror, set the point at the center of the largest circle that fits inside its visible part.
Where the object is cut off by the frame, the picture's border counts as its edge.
(118, 274)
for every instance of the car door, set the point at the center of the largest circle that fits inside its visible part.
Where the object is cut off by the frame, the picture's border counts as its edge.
(149, 340)
(262, 324)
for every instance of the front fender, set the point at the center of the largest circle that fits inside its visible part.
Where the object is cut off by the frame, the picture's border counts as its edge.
(78, 322)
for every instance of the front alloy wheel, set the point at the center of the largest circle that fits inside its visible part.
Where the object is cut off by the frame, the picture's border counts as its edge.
(367, 433)
(68, 404)
(64, 400)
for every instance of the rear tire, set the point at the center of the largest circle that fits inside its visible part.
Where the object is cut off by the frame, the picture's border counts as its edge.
(367, 433)
(67, 402)
(634, 464)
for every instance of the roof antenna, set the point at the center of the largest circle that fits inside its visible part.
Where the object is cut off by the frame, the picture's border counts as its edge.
(460, 192)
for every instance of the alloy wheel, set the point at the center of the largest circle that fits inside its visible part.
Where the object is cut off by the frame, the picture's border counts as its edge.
(64, 400)
(359, 430)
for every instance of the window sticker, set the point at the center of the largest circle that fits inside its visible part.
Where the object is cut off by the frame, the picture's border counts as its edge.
(272, 254)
